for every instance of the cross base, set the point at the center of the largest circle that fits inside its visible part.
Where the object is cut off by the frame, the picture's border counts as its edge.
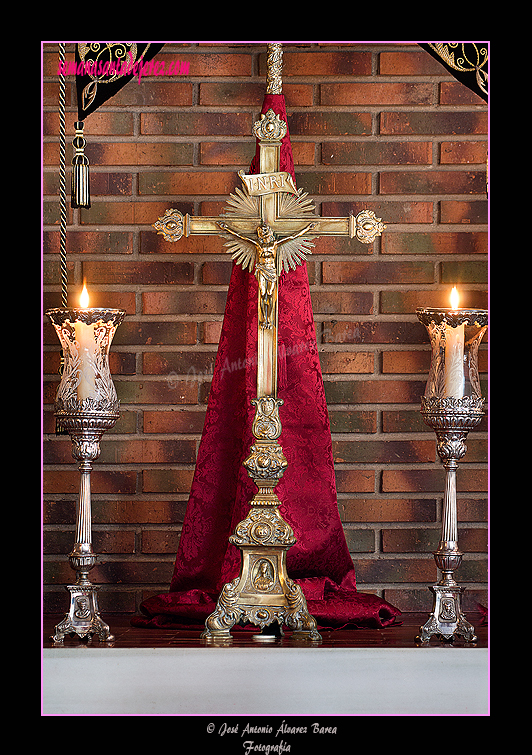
(447, 620)
(262, 595)
(83, 617)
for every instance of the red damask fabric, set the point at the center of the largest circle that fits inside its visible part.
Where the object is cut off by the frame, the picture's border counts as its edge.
(221, 490)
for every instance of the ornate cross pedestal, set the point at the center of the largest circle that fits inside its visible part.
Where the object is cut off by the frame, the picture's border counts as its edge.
(263, 593)
(269, 226)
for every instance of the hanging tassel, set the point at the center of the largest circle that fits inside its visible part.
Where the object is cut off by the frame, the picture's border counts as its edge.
(80, 194)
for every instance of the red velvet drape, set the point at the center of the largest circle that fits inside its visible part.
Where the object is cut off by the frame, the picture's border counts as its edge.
(221, 490)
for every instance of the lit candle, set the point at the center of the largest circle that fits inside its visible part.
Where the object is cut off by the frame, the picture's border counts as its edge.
(86, 352)
(454, 355)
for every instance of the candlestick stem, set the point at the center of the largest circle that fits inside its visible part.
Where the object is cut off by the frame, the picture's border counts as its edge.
(451, 422)
(84, 618)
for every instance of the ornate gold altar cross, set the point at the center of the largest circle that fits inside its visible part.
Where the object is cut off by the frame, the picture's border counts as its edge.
(269, 226)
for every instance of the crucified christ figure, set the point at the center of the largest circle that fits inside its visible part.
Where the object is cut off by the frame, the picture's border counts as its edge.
(267, 265)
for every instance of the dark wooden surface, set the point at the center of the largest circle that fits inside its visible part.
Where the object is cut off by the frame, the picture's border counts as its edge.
(400, 636)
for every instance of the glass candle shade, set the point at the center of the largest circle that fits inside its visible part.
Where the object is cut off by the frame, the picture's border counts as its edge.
(85, 335)
(455, 336)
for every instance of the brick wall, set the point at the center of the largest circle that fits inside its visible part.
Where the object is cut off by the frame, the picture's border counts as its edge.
(378, 126)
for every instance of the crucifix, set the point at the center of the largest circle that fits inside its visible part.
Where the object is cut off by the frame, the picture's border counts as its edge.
(269, 226)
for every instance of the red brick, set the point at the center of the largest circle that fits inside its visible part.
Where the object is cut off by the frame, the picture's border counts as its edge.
(159, 541)
(411, 63)
(370, 93)
(435, 243)
(153, 243)
(432, 481)
(433, 182)
(118, 123)
(389, 212)
(374, 391)
(172, 390)
(405, 362)
(456, 93)
(198, 302)
(347, 362)
(329, 124)
(188, 182)
(182, 421)
(145, 273)
(216, 272)
(219, 64)
(463, 153)
(193, 364)
(90, 242)
(353, 421)
(345, 62)
(226, 153)
(123, 213)
(147, 153)
(68, 481)
(196, 124)
(342, 302)
(383, 452)
(154, 91)
(453, 211)
(211, 331)
(376, 153)
(355, 480)
(373, 272)
(155, 333)
(434, 123)
(335, 183)
(387, 510)
(166, 480)
(395, 302)
(373, 332)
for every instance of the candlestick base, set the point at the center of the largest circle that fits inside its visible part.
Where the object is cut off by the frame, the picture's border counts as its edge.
(447, 620)
(83, 618)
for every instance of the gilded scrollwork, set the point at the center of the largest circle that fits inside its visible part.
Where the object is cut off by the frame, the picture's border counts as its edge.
(266, 462)
(263, 527)
(271, 127)
(170, 225)
(368, 226)
(266, 424)
(274, 81)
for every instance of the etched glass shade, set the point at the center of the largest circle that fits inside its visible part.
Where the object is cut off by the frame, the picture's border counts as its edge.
(455, 337)
(85, 335)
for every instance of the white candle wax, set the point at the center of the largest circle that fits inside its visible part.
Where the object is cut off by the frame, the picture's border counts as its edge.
(454, 361)
(86, 352)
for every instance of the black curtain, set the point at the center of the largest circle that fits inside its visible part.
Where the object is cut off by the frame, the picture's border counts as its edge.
(103, 68)
(466, 61)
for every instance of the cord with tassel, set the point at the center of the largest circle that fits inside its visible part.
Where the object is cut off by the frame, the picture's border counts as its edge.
(80, 194)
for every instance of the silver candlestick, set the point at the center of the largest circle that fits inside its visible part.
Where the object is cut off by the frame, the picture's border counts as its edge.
(86, 406)
(452, 406)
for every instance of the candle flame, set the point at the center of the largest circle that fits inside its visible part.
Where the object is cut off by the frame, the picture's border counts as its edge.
(84, 297)
(454, 298)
